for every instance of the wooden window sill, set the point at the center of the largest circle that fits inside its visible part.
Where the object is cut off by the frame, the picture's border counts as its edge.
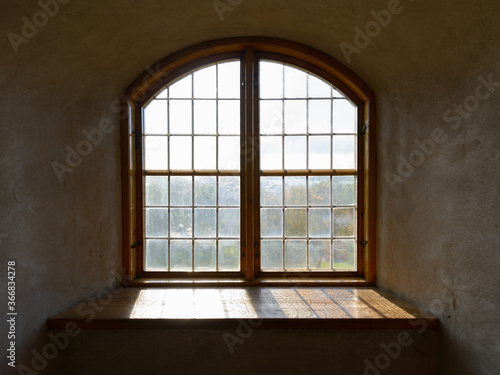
(293, 307)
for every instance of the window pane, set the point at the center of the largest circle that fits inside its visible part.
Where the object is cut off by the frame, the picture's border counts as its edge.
(155, 117)
(156, 222)
(204, 222)
(319, 190)
(343, 152)
(296, 254)
(204, 116)
(163, 94)
(156, 153)
(204, 83)
(229, 117)
(204, 153)
(344, 117)
(229, 255)
(271, 116)
(180, 153)
(272, 254)
(271, 193)
(180, 117)
(204, 255)
(182, 88)
(295, 152)
(229, 153)
(319, 152)
(156, 190)
(204, 191)
(295, 191)
(271, 222)
(295, 222)
(344, 255)
(343, 222)
(319, 254)
(229, 222)
(180, 191)
(181, 255)
(271, 80)
(229, 80)
(295, 82)
(320, 116)
(271, 156)
(156, 255)
(181, 222)
(295, 116)
(320, 224)
(318, 88)
(229, 191)
(343, 190)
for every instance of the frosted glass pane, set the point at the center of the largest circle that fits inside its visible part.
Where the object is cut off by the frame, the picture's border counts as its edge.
(229, 222)
(319, 254)
(295, 116)
(296, 254)
(295, 152)
(204, 191)
(181, 255)
(156, 190)
(204, 255)
(156, 222)
(155, 117)
(319, 116)
(344, 152)
(182, 88)
(271, 153)
(204, 116)
(205, 83)
(319, 190)
(271, 80)
(181, 222)
(344, 117)
(271, 193)
(295, 82)
(319, 152)
(272, 254)
(295, 191)
(229, 117)
(295, 222)
(156, 255)
(229, 153)
(204, 222)
(204, 152)
(271, 222)
(344, 254)
(180, 191)
(229, 255)
(318, 88)
(343, 190)
(155, 153)
(180, 116)
(229, 191)
(229, 80)
(343, 222)
(271, 116)
(320, 224)
(181, 153)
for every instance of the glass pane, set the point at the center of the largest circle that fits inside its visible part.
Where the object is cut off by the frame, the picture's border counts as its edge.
(319, 254)
(295, 82)
(181, 255)
(229, 191)
(318, 88)
(343, 222)
(344, 117)
(156, 255)
(229, 222)
(156, 222)
(229, 153)
(204, 83)
(295, 191)
(229, 255)
(180, 117)
(204, 191)
(181, 222)
(295, 152)
(204, 255)
(320, 116)
(182, 88)
(320, 224)
(271, 153)
(156, 190)
(271, 80)
(319, 152)
(162, 94)
(272, 254)
(343, 190)
(271, 116)
(271, 193)
(343, 152)
(295, 116)
(155, 117)
(180, 191)
(271, 222)
(296, 254)
(229, 80)
(295, 222)
(204, 116)
(319, 190)
(155, 153)
(229, 117)
(344, 255)
(180, 153)
(204, 222)
(204, 152)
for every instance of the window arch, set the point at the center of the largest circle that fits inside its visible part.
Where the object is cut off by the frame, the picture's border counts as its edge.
(251, 158)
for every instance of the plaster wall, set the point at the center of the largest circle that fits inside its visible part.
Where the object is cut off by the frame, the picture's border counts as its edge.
(437, 227)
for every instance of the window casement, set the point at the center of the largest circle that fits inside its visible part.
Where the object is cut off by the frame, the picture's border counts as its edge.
(250, 159)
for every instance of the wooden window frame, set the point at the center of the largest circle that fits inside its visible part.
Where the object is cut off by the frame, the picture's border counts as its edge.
(250, 50)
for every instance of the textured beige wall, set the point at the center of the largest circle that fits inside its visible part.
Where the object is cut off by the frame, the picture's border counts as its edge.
(437, 228)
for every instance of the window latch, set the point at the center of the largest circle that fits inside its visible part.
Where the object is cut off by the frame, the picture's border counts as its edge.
(364, 129)
(363, 243)
(135, 244)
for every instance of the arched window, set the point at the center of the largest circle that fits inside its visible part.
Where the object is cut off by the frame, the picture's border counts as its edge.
(250, 158)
